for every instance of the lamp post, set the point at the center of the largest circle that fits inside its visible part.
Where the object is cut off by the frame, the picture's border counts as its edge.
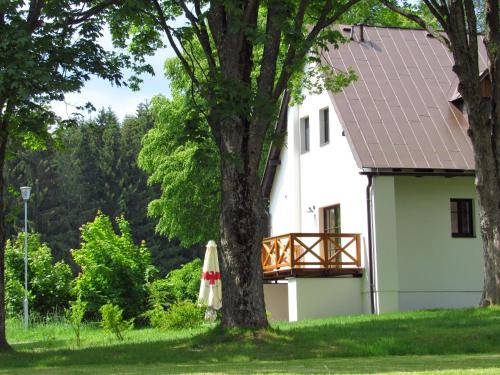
(25, 193)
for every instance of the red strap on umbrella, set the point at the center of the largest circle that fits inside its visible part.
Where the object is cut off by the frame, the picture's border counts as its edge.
(211, 276)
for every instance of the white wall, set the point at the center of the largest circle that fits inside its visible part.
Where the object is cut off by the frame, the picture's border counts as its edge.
(276, 300)
(416, 254)
(311, 298)
(324, 176)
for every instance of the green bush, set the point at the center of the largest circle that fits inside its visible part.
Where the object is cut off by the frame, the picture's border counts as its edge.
(183, 315)
(49, 283)
(180, 285)
(184, 283)
(114, 269)
(112, 320)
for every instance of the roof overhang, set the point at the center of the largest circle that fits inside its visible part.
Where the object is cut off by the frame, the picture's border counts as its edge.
(273, 157)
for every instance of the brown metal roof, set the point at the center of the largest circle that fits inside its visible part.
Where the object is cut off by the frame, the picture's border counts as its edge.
(397, 114)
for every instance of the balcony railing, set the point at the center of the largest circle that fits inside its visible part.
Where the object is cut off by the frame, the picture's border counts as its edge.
(312, 251)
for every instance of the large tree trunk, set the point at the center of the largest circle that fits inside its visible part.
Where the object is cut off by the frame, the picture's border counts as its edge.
(3, 146)
(488, 190)
(243, 225)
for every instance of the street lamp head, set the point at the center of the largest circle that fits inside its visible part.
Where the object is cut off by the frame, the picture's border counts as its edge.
(25, 192)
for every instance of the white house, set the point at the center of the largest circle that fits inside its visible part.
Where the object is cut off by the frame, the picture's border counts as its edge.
(371, 197)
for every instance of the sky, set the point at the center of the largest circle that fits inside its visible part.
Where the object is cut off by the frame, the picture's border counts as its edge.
(121, 100)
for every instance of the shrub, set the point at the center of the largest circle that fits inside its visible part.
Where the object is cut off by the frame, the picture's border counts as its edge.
(49, 283)
(183, 315)
(184, 283)
(74, 315)
(114, 269)
(112, 320)
(180, 285)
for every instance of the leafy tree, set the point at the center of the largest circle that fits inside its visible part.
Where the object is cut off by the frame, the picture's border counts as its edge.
(49, 283)
(114, 269)
(74, 315)
(47, 48)
(240, 57)
(480, 91)
(186, 167)
(112, 320)
(68, 178)
(374, 13)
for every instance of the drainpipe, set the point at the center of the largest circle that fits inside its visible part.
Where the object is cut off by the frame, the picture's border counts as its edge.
(370, 241)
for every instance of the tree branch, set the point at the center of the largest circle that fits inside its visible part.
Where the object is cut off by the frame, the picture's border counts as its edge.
(34, 13)
(198, 24)
(419, 21)
(294, 54)
(437, 11)
(168, 32)
(84, 16)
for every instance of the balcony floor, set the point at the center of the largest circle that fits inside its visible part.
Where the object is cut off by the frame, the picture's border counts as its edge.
(311, 272)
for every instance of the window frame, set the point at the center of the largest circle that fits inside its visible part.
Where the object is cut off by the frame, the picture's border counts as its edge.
(461, 203)
(305, 135)
(324, 126)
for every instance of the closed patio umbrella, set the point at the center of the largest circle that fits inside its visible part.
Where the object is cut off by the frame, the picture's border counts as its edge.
(211, 288)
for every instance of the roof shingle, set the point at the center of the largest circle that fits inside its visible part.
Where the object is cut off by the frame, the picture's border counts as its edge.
(397, 114)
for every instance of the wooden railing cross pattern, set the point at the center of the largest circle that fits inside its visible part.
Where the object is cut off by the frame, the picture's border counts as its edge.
(291, 250)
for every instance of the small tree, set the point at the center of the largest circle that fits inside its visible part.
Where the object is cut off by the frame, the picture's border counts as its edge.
(114, 269)
(112, 320)
(74, 316)
(48, 282)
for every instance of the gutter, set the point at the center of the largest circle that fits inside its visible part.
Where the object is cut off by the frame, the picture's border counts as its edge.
(416, 172)
(369, 213)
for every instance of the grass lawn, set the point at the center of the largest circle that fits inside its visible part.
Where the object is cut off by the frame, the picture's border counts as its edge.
(438, 341)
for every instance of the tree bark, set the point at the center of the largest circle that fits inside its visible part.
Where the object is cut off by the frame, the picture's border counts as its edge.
(488, 191)
(4, 346)
(243, 225)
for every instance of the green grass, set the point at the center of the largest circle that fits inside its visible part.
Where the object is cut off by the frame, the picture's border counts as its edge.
(438, 341)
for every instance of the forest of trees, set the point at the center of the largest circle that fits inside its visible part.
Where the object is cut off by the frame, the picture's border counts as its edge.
(89, 167)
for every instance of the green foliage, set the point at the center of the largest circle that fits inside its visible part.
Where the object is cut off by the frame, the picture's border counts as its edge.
(114, 269)
(180, 155)
(92, 167)
(48, 282)
(44, 54)
(181, 285)
(184, 283)
(183, 315)
(74, 315)
(112, 320)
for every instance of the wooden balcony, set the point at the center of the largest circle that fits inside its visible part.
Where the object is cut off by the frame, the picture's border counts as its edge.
(311, 255)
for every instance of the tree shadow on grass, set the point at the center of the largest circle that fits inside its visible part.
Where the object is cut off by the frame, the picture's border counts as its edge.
(444, 332)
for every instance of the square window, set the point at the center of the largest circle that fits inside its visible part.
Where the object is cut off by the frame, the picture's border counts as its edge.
(304, 135)
(461, 218)
(324, 126)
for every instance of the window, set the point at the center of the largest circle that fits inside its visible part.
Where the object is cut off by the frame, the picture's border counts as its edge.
(324, 126)
(304, 134)
(461, 218)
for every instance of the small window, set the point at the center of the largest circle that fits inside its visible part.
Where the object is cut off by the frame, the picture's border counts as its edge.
(304, 134)
(461, 218)
(324, 124)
